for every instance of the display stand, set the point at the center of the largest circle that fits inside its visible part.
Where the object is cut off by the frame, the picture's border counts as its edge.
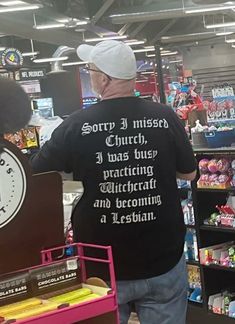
(213, 278)
(31, 220)
(101, 310)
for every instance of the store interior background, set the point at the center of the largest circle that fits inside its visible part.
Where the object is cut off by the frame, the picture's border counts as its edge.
(190, 47)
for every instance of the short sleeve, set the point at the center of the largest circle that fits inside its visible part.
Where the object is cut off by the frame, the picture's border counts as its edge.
(55, 155)
(185, 160)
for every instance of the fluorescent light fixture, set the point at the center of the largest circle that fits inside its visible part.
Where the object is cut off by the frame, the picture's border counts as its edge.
(163, 54)
(143, 50)
(147, 72)
(135, 42)
(49, 26)
(20, 8)
(99, 39)
(51, 59)
(233, 46)
(225, 33)
(217, 8)
(11, 3)
(74, 63)
(29, 54)
(82, 22)
(141, 81)
(170, 53)
(225, 24)
(176, 61)
(2, 48)
(229, 41)
(151, 55)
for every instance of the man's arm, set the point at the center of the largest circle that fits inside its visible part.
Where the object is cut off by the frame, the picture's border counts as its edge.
(186, 166)
(186, 176)
(55, 155)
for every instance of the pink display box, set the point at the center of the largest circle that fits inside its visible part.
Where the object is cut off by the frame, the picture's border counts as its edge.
(107, 303)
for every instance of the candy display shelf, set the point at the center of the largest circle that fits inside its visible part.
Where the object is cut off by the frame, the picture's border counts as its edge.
(214, 278)
(217, 228)
(86, 312)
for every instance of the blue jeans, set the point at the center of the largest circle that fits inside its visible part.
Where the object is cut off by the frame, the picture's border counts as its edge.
(158, 300)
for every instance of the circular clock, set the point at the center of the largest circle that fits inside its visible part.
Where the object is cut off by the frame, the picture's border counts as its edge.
(12, 186)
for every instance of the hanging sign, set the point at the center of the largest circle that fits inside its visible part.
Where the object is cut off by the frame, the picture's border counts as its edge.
(12, 59)
(34, 74)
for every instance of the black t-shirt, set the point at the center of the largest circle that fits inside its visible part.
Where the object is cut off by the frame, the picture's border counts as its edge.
(126, 151)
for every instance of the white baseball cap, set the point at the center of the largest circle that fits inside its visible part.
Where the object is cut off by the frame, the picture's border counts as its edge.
(112, 57)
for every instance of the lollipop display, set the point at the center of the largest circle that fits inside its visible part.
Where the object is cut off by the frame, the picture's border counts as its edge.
(212, 166)
(223, 165)
(216, 173)
(203, 165)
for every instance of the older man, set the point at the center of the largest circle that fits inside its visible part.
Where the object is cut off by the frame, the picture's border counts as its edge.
(128, 153)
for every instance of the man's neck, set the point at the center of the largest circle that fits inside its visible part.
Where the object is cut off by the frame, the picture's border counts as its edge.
(119, 89)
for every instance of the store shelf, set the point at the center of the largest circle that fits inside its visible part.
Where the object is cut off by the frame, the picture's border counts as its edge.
(217, 228)
(218, 267)
(216, 190)
(227, 150)
(193, 262)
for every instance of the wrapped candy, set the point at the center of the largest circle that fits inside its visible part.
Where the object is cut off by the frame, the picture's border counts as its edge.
(223, 178)
(233, 182)
(223, 165)
(213, 180)
(233, 165)
(212, 166)
(203, 165)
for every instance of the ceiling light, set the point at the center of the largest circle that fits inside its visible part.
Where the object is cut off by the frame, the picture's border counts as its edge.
(135, 42)
(11, 3)
(176, 61)
(217, 8)
(229, 41)
(51, 59)
(169, 54)
(2, 48)
(233, 46)
(29, 54)
(142, 50)
(228, 24)
(20, 8)
(224, 33)
(82, 22)
(147, 72)
(49, 26)
(151, 55)
(99, 39)
(74, 63)
(141, 81)
(163, 54)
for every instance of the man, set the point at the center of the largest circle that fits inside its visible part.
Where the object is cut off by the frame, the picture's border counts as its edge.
(128, 153)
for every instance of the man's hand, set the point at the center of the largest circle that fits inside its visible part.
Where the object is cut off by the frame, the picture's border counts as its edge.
(187, 176)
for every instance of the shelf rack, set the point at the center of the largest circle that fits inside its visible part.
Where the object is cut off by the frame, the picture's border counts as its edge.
(214, 278)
